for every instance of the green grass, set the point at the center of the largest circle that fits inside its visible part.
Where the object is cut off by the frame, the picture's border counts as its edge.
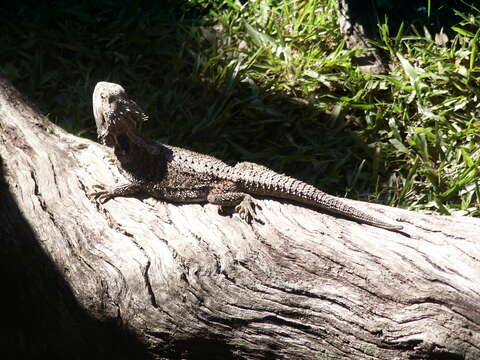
(271, 82)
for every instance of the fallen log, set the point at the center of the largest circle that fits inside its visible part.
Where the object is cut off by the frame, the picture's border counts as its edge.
(140, 278)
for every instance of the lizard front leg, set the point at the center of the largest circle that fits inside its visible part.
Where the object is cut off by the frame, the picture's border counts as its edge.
(105, 194)
(226, 193)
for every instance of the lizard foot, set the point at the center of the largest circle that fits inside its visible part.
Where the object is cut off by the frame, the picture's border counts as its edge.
(246, 209)
(102, 195)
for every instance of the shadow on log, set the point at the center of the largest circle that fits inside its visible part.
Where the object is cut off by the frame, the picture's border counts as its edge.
(138, 278)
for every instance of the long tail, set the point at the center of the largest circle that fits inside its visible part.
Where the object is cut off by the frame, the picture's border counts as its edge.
(262, 181)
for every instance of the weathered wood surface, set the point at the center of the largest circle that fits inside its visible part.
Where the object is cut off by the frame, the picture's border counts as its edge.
(186, 282)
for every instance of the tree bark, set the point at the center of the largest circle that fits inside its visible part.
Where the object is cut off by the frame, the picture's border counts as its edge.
(139, 278)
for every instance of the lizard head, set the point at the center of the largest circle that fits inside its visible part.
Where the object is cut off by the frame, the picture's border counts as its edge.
(115, 113)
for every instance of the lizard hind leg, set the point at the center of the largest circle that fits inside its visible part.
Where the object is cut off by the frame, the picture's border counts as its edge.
(226, 194)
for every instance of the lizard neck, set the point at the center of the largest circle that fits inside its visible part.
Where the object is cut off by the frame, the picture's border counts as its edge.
(137, 160)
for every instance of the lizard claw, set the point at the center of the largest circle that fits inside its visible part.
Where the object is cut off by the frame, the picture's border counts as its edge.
(110, 160)
(102, 195)
(246, 209)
